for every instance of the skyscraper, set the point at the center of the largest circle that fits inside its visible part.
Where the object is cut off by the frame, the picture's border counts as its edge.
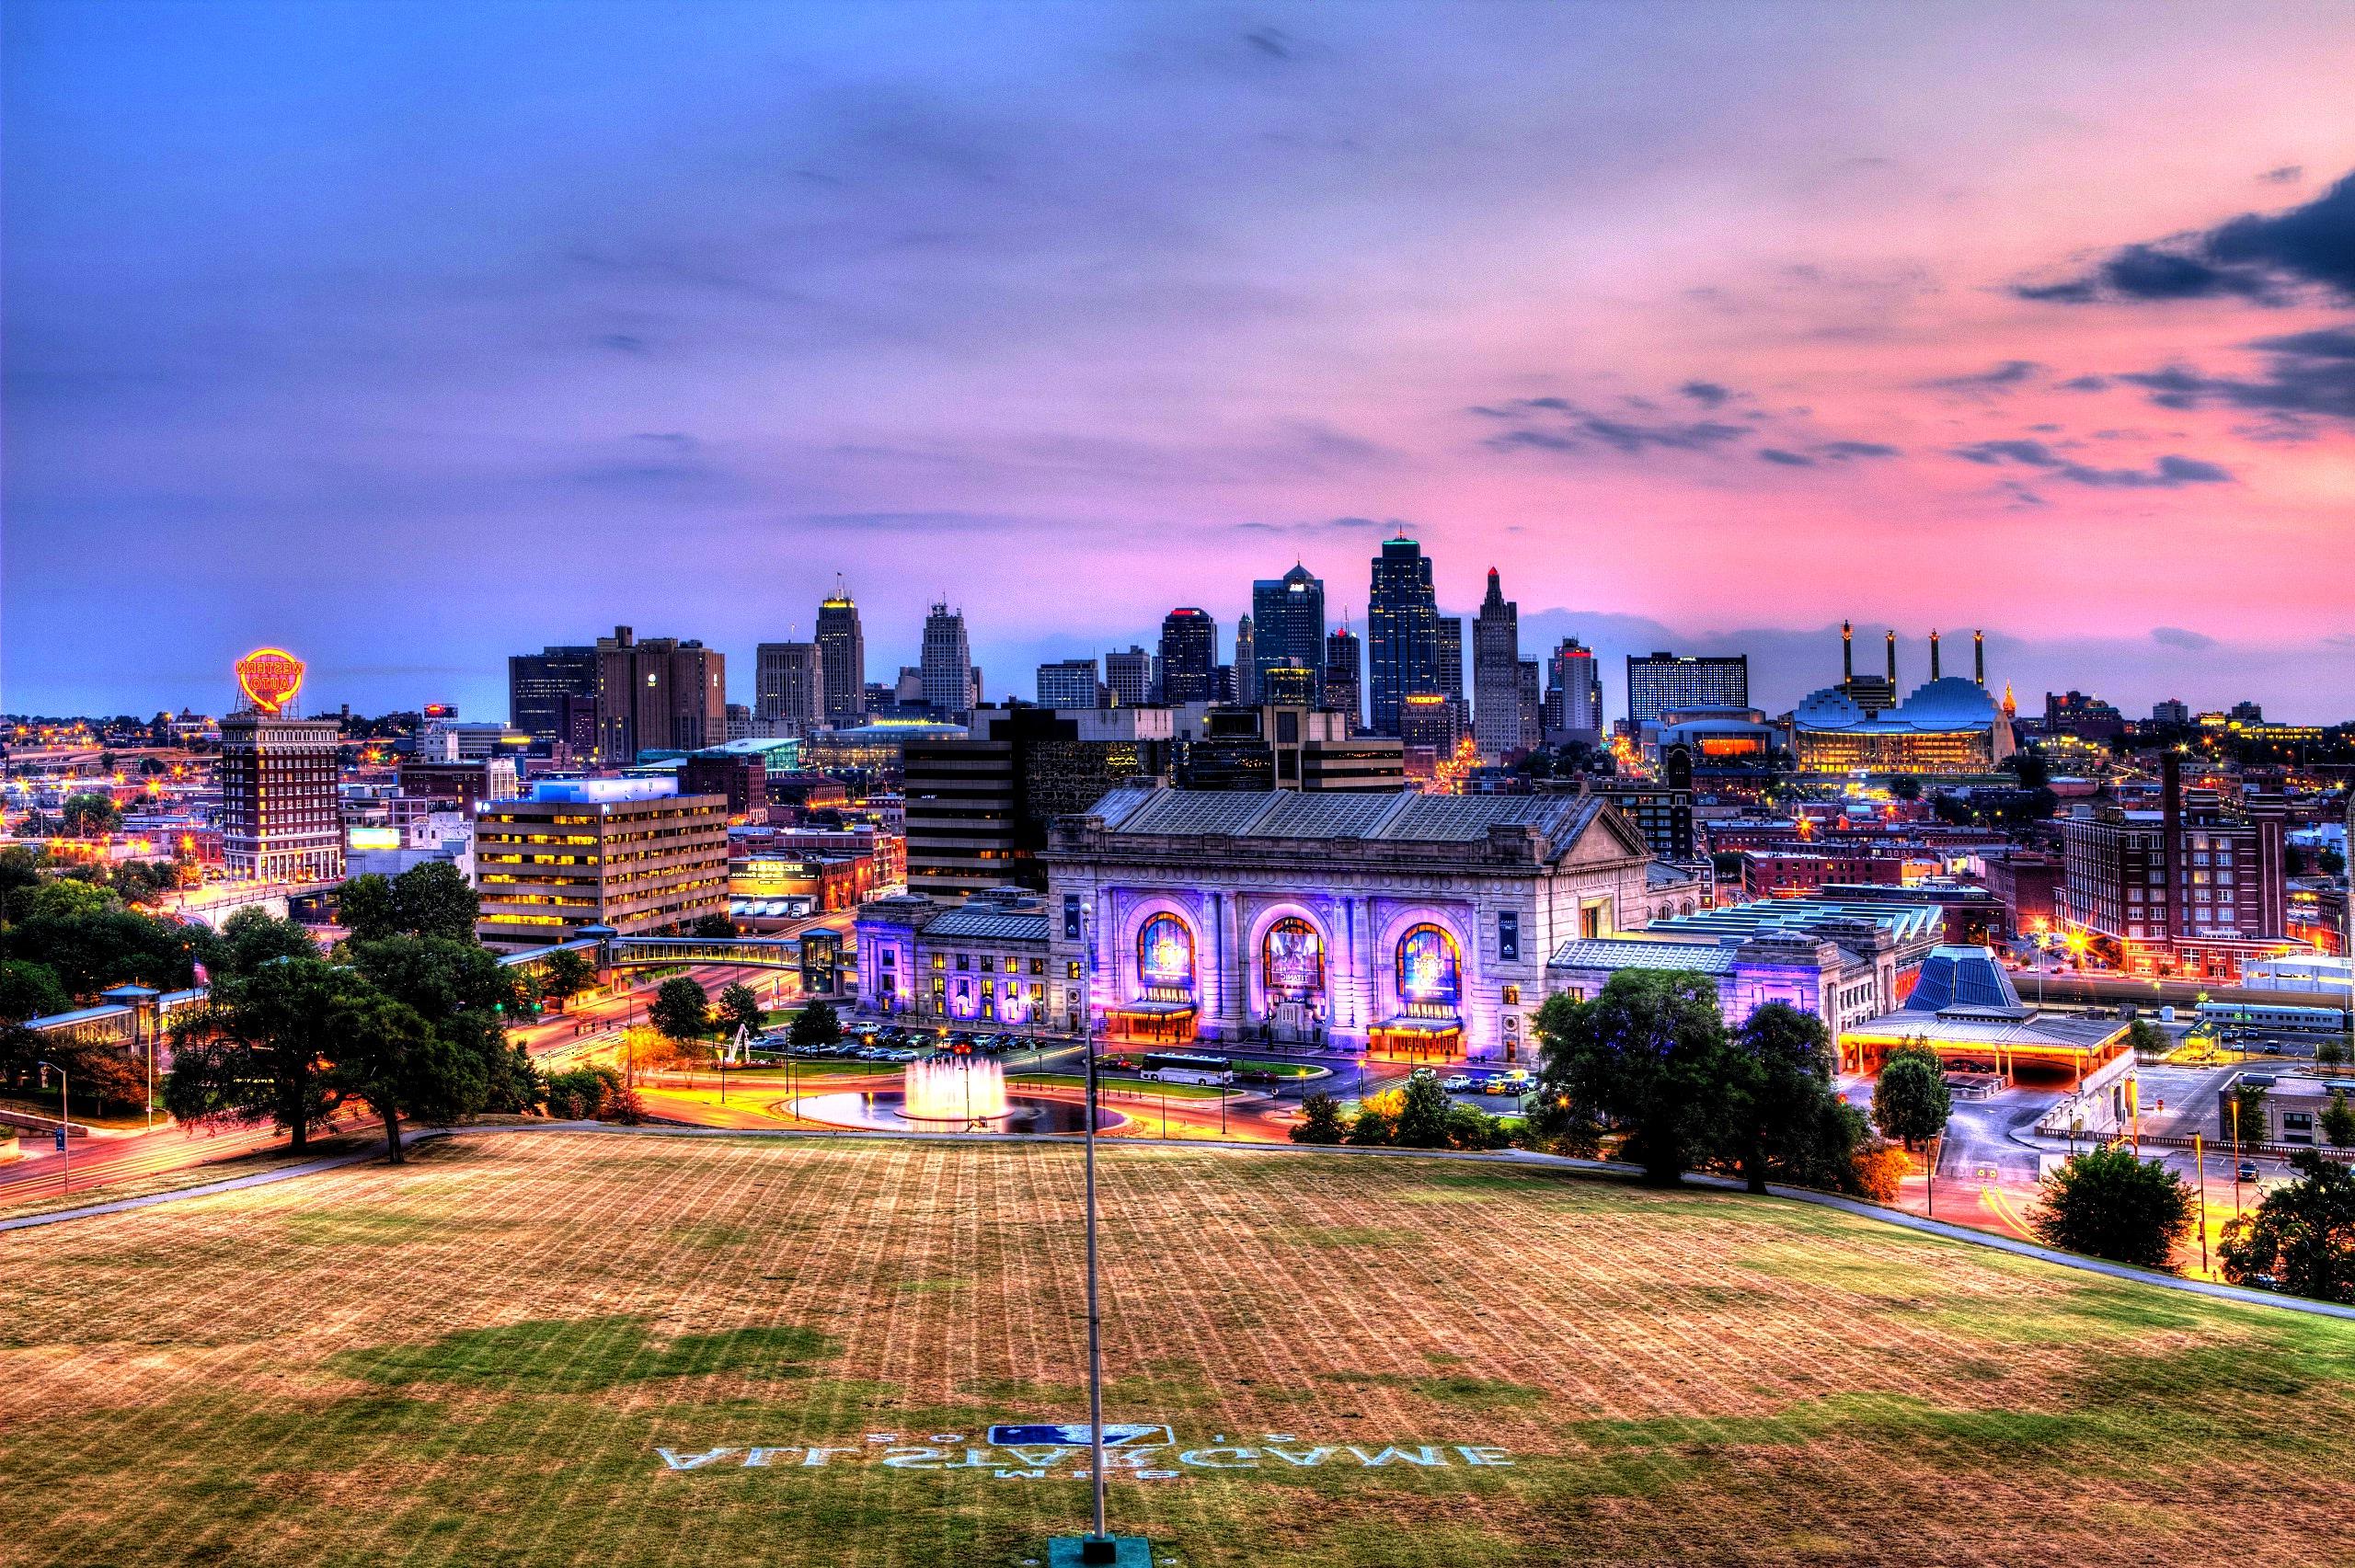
(539, 684)
(1664, 682)
(948, 663)
(1450, 633)
(1402, 631)
(1344, 686)
(658, 695)
(1287, 619)
(1068, 683)
(1574, 692)
(1133, 679)
(1189, 655)
(789, 685)
(1246, 671)
(842, 659)
(1496, 675)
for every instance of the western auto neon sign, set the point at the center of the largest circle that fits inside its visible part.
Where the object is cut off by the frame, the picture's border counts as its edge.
(269, 676)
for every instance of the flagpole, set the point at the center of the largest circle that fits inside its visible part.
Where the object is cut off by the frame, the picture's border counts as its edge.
(1094, 1315)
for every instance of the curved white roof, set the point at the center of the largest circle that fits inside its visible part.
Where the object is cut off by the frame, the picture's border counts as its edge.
(1948, 703)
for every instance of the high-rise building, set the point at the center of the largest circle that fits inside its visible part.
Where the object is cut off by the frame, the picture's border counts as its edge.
(1532, 705)
(658, 695)
(842, 659)
(1402, 632)
(1666, 682)
(1069, 683)
(1287, 621)
(1497, 728)
(1573, 692)
(1189, 656)
(1450, 634)
(1133, 679)
(1289, 684)
(538, 685)
(2171, 711)
(788, 685)
(1344, 686)
(281, 820)
(948, 663)
(978, 809)
(631, 853)
(1246, 670)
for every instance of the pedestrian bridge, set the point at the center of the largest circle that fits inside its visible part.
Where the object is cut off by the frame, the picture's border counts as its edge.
(611, 950)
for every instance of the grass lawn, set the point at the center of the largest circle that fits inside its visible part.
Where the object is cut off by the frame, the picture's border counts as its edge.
(1108, 1082)
(1280, 1068)
(584, 1349)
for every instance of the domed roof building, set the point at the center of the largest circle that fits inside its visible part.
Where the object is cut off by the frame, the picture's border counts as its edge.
(1947, 726)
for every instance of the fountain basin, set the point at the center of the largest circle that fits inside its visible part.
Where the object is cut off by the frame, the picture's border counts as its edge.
(888, 1111)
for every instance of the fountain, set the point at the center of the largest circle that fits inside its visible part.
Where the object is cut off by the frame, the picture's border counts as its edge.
(953, 1089)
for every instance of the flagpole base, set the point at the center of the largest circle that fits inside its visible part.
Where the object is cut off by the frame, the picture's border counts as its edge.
(1100, 1551)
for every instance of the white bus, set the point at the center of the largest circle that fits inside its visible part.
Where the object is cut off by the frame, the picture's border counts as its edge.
(1185, 1066)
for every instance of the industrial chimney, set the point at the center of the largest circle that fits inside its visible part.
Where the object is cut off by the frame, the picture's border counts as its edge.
(1934, 655)
(1847, 652)
(1892, 658)
(1979, 657)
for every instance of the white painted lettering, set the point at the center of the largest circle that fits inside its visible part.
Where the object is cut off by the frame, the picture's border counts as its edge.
(1482, 1455)
(693, 1461)
(818, 1456)
(1409, 1455)
(914, 1458)
(756, 1458)
(1313, 1457)
(1245, 1458)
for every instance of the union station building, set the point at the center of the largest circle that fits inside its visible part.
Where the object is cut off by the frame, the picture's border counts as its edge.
(1404, 924)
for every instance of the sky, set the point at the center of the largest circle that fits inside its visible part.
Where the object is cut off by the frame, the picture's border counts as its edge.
(410, 335)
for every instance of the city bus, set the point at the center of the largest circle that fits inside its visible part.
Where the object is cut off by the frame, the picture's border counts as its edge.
(2287, 1020)
(1186, 1067)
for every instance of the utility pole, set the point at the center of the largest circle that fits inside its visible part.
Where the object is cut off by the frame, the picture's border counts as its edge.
(65, 1132)
(2200, 1160)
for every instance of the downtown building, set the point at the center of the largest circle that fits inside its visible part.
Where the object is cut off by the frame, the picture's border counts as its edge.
(280, 817)
(630, 853)
(842, 660)
(1343, 682)
(1189, 656)
(1133, 680)
(1573, 709)
(1070, 683)
(1500, 726)
(1665, 682)
(950, 686)
(1402, 634)
(1288, 631)
(552, 697)
(658, 695)
(790, 686)
(1947, 726)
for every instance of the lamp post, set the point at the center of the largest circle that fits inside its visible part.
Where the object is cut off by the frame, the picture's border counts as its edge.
(1099, 1547)
(64, 1133)
(2200, 1160)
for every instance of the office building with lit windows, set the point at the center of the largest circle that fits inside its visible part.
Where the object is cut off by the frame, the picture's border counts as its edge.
(1401, 632)
(1657, 682)
(1189, 655)
(632, 853)
(280, 820)
(1412, 925)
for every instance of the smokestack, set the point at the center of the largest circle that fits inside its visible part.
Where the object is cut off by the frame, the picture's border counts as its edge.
(1934, 655)
(1892, 658)
(1979, 657)
(1847, 652)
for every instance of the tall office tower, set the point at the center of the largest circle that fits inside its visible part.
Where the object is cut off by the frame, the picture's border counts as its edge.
(788, 684)
(1287, 621)
(1246, 670)
(1068, 683)
(659, 694)
(280, 820)
(1133, 679)
(978, 809)
(1343, 685)
(1574, 692)
(1532, 705)
(1450, 630)
(1402, 632)
(538, 683)
(1667, 682)
(1189, 656)
(1496, 675)
(946, 662)
(1289, 684)
(842, 659)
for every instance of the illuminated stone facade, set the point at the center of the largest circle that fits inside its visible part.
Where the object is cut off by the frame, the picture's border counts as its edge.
(1410, 925)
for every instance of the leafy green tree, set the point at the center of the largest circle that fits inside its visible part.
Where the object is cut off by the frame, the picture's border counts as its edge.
(2107, 1203)
(2146, 1038)
(466, 996)
(1469, 1127)
(1779, 1085)
(262, 1048)
(389, 1058)
(434, 899)
(366, 908)
(90, 814)
(566, 975)
(97, 946)
(2302, 1237)
(253, 937)
(29, 991)
(19, 875)
(1905, 786)
(2248, 1113)
(739, 1008)
(817, 1025)
(1423, 1115)
(712, 926)
(1910, 1102)
(1372, 1128)
(1320, 1120)
(2339, 1120)
(98, 1073)
(583, 1093)
(1647, 1057)
(681, 1010)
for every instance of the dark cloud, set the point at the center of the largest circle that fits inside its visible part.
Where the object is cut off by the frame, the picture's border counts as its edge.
(2084, 384)
(1273, 42)
(2305, 374)
(2169, 473)
(1557, 424)
(1841, 451)
(1789, 459)
(2002, 378)
(1707, 393)
(2266, 258)
(2177, 636)
(2288, 174)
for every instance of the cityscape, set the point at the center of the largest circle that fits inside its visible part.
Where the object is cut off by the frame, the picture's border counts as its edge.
(949, 982)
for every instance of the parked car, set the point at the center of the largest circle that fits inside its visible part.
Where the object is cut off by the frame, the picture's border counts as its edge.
(2248, 1172)
(1457, 1082)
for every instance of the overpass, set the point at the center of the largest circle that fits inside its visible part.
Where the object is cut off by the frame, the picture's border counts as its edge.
(609, 949)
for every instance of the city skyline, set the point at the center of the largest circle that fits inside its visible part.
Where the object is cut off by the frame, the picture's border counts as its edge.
(1706, 333)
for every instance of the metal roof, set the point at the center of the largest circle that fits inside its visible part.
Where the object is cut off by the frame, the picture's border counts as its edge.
(1636, 952)
(1404, 815)
(1907, 922)
(989, 925)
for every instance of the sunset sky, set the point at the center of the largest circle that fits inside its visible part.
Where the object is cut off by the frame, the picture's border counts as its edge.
(407, 336)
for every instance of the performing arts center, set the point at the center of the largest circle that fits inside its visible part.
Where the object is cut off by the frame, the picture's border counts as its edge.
(1404, 924)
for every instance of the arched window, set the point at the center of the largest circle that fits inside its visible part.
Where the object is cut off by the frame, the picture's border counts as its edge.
(1292, 957)
(1429, 972)
(1165, 954)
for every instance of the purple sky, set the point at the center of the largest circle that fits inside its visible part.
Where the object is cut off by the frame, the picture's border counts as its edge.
(407, 337)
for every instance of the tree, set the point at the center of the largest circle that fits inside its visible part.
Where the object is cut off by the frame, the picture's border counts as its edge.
(680, 1008)
(1469, 1127)
(1320, 1120)
(391, 1058)
(1910, 1102)
(817, 1025)
(90, 814)
(565, 975)
(1878, 1171)
(712, 926)
(2302, 1237)
(739, 1008)
(252, 937)
(583, 1093)
(465, 996)
(365, 906)
(1647, 1057)
(1905, 786)
(2146, 1038)
(2339, 1120)
(262, 1048)
(1781, 1083)
(1422, 1113)
(2107, 1203)
(431, 899)
(29, 991)
(1375, 1126)
(2248, 1114)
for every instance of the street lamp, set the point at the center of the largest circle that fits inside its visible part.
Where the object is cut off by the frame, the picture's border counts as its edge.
(64, 1133)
